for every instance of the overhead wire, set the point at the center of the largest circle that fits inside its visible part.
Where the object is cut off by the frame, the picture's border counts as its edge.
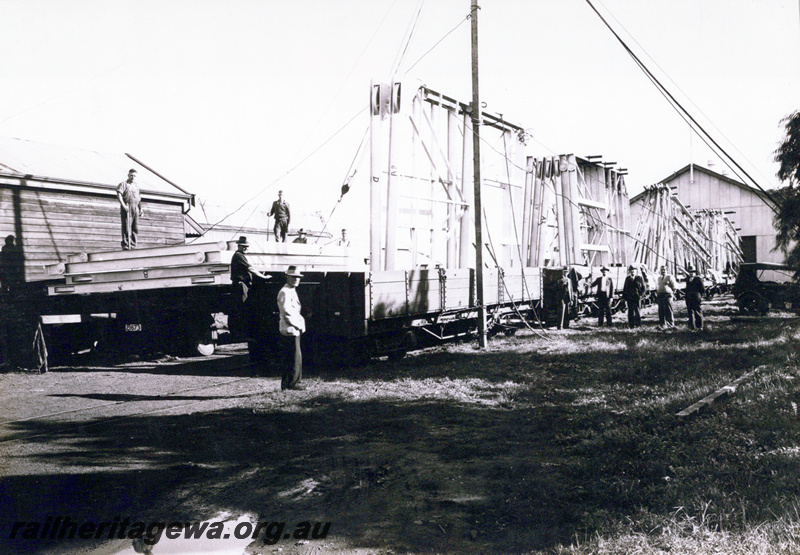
(287, 173)
(685, 115)
(350, 73)
(410, 32)
(678, 87)
(438, 42)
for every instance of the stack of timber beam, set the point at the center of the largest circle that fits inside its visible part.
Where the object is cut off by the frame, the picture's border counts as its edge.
(575, 212)
(722, 240)
(186, 265)
(669, 234)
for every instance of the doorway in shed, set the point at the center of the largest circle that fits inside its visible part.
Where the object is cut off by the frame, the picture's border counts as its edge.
(748, 244)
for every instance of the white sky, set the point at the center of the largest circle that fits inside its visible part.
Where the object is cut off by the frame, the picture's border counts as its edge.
(226, 98)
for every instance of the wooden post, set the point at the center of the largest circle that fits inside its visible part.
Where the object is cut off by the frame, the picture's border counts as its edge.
(375, 258)
(476, 164)
(540, 168)
(392, 180)
(564, 215)
(464, 254)
(530, 167)
(452, 154)
(572, 206)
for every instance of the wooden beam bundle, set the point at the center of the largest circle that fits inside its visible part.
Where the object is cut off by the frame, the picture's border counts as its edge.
(187, 266)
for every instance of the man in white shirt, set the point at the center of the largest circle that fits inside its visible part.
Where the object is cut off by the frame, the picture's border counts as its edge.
(664, 294)
(292, 325)
(605, 292)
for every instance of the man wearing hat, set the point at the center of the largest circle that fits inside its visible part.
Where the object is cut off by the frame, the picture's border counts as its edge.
(292, 325)
(280, 210)
(632, 292)
(242, 274)
(695, 288)
(605, 292)
(301, 237)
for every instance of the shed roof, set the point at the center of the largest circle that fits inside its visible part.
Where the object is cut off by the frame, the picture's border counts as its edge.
(714, 174)
(69, 165)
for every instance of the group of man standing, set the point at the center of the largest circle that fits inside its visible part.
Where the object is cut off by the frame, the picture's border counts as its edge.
(634, 291)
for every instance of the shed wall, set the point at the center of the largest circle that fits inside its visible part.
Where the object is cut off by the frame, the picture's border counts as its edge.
(751, 215)
(51, 224)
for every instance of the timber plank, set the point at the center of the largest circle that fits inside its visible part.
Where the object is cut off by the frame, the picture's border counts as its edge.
(725, 391)
(157, 251)
(98, 233)
(185, 259)
(139, 285)
(149, 273)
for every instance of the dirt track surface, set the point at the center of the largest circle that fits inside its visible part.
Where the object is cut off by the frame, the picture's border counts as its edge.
(451, 450)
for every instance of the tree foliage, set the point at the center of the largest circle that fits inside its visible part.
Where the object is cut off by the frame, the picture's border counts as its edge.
(787, 220)
(788, 154)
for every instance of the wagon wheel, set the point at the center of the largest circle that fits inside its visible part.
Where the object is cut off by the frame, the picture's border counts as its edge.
(205, 346)
(199, 339)
(509, 331)
(752, 303)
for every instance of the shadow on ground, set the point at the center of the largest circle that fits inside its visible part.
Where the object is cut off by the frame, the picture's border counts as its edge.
(421, 475)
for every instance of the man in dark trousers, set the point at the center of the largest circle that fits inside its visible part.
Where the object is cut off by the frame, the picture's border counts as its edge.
(280, 210)
(242, 274)
(564, 294)
(292, 325)
(605, 292)
(695, 288)
(632, 292)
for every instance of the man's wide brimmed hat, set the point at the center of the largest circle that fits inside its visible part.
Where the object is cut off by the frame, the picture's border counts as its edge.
(292, 271)
(243, 241)
(603, 269)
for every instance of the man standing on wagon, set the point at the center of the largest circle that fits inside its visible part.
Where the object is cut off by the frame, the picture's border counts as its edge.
(130, 209)
(280, 210)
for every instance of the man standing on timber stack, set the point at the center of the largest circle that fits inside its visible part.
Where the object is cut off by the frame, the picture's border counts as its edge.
(130, 209)
(280, 210)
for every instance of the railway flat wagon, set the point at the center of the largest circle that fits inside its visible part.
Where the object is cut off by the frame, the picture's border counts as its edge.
(56, 202)
(172, 299)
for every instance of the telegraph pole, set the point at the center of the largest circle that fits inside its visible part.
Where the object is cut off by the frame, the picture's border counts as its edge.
(476, 164)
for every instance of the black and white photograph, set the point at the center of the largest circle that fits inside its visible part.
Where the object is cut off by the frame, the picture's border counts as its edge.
(400, 277)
